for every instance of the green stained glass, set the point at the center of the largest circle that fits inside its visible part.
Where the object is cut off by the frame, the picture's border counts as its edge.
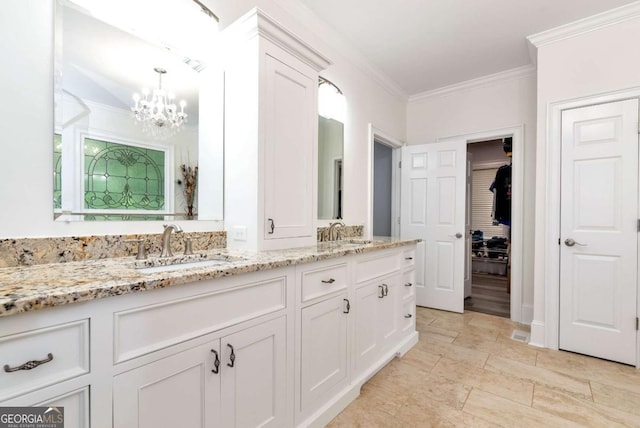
(117, 176)
(57, 171)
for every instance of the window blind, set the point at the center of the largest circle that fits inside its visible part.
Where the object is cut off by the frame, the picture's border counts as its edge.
(482, 203)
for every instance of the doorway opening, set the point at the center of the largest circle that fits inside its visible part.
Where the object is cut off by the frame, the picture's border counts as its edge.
(487, 282)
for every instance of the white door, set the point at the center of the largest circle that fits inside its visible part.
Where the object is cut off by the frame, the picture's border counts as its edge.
(467, 226)
(253, 376)
(598, 227)
(433, 209)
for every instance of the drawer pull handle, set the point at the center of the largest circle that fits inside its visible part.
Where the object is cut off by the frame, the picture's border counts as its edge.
(232, 357)
(408, 284)
(408, 258)
(28, 365)
(216, 362)
(408, 316)
(328, 281)
(348, 307)
(386, 290)
(381, 288)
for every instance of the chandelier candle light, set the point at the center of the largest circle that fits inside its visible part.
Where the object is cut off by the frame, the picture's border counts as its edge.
(157, 111)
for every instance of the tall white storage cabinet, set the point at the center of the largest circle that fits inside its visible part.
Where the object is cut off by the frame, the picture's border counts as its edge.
(271, 135)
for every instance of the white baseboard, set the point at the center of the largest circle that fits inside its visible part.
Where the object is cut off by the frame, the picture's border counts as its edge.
(537, 334)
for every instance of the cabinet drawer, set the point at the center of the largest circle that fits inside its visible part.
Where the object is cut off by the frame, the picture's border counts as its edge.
(409, 257)
(408, 284)
(65, 345)
(375, 266)
(146, 329)
(322, 281)
(408, 314)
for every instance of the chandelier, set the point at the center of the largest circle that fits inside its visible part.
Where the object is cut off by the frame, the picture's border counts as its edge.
(157, 111)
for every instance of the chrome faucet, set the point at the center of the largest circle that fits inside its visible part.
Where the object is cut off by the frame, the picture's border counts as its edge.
(333, 232)
(166, 239)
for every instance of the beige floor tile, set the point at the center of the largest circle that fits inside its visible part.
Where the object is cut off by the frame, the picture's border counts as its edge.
(616, 398)
(420, 359)
(602, 371)
(503, 386)
(362, 416)
(578, 387)
(584, 412)
(438, 334)
(442, 389)
(511, 349)
(458, 353)
(427, 412)
(506, 413)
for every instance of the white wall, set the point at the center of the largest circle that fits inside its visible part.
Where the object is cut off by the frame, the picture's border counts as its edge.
(502, 101)
(589, 64)
(26, 80)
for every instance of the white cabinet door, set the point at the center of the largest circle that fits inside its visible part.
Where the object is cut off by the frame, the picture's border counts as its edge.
(324, 350)
(177, 391)
(367, 336)
(254, 377)
(290, 141)
(389, 312)
(598, 226)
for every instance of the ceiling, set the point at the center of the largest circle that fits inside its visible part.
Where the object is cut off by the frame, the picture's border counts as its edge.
(427, 44)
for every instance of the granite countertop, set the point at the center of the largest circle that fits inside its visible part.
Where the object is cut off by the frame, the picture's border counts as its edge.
(30, 288)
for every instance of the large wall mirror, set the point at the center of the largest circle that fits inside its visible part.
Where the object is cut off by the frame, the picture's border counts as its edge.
(134, 82)
(331, 109)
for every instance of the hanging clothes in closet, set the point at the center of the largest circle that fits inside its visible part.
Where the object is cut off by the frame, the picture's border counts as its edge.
(501, 189)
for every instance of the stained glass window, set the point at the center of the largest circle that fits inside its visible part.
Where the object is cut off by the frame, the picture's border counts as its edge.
(57, 171)
(123, 177)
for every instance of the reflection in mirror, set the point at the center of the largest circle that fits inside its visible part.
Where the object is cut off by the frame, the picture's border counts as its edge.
(331, 109)
(130, 89)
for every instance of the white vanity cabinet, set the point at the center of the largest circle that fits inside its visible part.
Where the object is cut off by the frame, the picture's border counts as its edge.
(238, 380)
(271, 135)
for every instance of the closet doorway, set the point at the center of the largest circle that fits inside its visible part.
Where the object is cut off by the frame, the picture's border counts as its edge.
(489, 220)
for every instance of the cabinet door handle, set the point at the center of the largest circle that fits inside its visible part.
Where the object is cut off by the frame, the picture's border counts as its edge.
(386, 290)
(28, 365)
(381, 289)
(272, 226)
(328, 281)
(408, 258)
(408, 284)
(348, 306)
(216, 362)
(408, 316)
(232, 357)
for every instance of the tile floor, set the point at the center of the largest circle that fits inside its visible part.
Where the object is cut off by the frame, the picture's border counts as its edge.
(467, 371)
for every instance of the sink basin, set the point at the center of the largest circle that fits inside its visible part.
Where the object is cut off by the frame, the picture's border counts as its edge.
(181, 266)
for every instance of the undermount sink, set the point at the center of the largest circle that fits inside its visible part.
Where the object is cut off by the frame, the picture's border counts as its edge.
(181, 266)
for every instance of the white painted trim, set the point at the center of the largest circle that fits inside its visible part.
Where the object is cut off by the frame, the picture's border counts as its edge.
(586, 25)
(537, 334)
(491, 79)
(549, 338)
(517, 208)
(330, 36)
(376, 134)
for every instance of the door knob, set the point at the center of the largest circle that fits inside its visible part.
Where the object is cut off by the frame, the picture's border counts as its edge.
(457, 235)
(570, 243)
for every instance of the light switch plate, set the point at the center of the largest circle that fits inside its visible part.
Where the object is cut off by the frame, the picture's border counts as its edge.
(239, 233)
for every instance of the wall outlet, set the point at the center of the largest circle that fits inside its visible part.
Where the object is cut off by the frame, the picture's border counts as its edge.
(239, 233)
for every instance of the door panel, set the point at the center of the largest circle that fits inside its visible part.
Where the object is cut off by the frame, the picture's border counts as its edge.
(434, 210)
(599, 212)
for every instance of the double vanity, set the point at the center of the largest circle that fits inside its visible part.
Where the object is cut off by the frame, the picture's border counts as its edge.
(221, 338)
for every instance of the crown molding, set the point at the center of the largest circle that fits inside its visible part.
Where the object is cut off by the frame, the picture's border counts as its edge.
(491, 79)
(257, 23)
(332, 38)
(586, 25)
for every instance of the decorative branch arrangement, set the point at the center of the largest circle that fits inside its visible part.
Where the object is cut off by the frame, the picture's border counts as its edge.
(190, 176)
